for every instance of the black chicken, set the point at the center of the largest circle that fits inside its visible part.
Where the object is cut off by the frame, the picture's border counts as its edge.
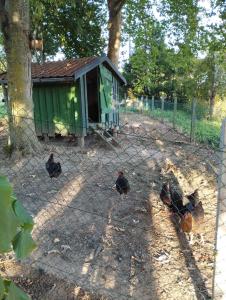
(195, 205)
(54, 169)
(194, 198)
(172, 199)
(177, 202)
(165, 195)
(122, 184)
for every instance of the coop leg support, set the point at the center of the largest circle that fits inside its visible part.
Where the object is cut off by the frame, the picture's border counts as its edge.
(46, 137)
(81, 141)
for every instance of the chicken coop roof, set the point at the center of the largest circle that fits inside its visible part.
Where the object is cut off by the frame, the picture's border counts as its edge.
(67, 70)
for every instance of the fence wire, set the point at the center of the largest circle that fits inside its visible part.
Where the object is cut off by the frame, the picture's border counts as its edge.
(91, 243)
(191, 118)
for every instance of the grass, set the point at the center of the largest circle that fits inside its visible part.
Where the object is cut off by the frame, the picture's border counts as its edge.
(207, 132)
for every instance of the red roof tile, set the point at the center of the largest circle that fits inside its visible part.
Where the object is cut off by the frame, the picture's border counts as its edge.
(54, 69)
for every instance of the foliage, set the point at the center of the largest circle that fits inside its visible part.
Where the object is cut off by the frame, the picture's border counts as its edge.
(167, 53)
(15, 231)
(2, 109)
(2, 56)
(62, 27)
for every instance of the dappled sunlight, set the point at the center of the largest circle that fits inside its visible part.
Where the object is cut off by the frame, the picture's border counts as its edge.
(16, 17)
(110, 280)
(124, 248)
(86, 266)
(54, 207)
(60, 126)
(149, 122)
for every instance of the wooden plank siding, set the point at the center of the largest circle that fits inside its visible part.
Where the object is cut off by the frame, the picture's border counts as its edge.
(109, 97)
(57, 109)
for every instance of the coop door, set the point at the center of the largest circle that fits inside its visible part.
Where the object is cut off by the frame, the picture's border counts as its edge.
(106, 95)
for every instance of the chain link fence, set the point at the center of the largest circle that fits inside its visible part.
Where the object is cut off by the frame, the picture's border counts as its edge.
(94, 245)
(191, 118)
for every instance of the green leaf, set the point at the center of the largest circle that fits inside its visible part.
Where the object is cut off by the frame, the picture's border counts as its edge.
(2, 288)
(8, 220)
(6, 190)
(15, 293)
(23, 244)
(22, 214)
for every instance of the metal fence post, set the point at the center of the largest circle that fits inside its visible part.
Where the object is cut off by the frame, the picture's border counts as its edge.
(152, 103)
(162, 107)
(174, 112)
(125, 103)
(219, 277)
(193, 120)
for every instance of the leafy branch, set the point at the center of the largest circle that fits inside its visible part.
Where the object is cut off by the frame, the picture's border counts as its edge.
(15, 234)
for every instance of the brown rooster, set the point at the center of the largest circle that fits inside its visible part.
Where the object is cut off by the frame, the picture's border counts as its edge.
(193, 218)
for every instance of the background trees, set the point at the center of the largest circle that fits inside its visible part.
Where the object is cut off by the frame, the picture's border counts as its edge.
(71, 27)
(178, 48)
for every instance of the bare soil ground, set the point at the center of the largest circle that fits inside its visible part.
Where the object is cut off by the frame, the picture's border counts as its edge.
(93, 245)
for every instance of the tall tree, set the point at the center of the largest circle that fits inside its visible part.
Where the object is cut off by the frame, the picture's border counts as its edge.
(73, 27)
(14, 20)
(114, 27)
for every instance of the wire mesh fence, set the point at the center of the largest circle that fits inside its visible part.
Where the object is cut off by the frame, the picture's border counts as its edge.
(190, 119)
(94, 245)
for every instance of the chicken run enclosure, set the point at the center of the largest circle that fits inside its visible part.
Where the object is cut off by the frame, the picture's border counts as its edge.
(94, 245)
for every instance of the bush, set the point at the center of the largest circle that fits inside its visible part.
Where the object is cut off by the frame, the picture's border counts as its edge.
(15, 231)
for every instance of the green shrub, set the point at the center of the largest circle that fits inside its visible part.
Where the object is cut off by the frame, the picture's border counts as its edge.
(15, 231)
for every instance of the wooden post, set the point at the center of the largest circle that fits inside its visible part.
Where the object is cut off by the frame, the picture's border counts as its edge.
(46, 137)
(219, 278)
(81, 141)
(152, 103)
(162, 106)
(193, 121)
(174, 112)
(134, 104)
(146, 104)
(142, 103)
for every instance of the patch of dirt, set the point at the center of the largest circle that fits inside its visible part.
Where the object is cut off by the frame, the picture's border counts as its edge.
(90, 239)
(40, 285)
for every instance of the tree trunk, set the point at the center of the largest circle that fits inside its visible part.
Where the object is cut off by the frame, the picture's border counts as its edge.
(15, 27)
(114, 27)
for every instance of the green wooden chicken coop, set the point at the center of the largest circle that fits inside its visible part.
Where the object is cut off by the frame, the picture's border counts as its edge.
(73, 95)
